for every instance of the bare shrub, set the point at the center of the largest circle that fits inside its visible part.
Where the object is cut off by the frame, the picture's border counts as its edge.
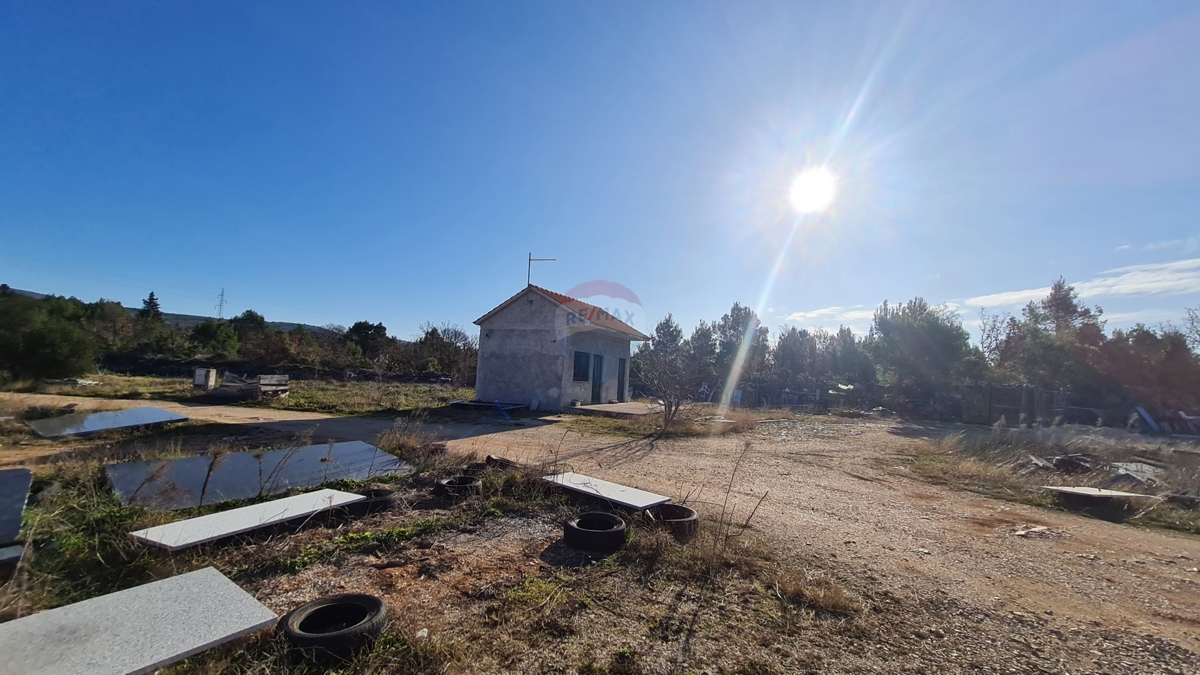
(818, 591)
(410, 441)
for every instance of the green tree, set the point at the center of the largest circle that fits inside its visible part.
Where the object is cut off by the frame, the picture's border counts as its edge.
(217, 338)
(151, 311)
(111, 325)
(371, 338)
(739, 325)
(43, 338)
(918, 347)
(249, 324)
(1056, 343)
(701, 355)
(662, 370)
(305, 347)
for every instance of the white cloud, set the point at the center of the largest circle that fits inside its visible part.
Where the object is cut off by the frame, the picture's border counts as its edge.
(857, 318)
(1150, 317)
(1173, 278)
(1008, 298)
(1160, 245)
(1189, 245)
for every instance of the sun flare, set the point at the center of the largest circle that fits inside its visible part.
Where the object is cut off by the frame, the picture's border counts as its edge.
(813, 190)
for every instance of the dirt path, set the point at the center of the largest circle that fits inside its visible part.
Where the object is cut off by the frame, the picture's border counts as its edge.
(321, 426)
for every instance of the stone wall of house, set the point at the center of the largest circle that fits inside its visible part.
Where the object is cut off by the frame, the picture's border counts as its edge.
(526, 354)
(612, 349)
(520, 360)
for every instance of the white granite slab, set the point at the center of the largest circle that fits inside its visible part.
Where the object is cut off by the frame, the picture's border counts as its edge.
(138, 630)
(194, 531)
(1095, 492)
(613, 492)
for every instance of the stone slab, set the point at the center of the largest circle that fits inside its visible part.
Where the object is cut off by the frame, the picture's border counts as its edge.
(195, 531)
(10, 555)
(208, 479)
(137, 630)
(612, 492)
(628, 410)
(14, 492)
(1099, 493)
(81, 424)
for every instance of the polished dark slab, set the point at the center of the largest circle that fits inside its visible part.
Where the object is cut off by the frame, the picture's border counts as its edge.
(14, 492)
(210, 479)
(81, 424)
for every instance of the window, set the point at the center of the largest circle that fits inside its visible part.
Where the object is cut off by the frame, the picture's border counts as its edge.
(583, 363)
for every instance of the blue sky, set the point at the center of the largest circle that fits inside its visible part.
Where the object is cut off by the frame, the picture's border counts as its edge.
(330, 162)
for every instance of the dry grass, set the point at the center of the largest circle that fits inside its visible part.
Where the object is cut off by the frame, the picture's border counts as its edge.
(693, 422)
(997, 464)
(338, 398)
(817, 591)
(408, 440)
(397, 651)
(345, 398)
(116, 386)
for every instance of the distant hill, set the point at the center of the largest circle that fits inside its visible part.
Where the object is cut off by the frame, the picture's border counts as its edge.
(188, 320)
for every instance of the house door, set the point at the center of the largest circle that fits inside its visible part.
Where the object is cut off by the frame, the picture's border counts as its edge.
(620, 380)
(597, 377)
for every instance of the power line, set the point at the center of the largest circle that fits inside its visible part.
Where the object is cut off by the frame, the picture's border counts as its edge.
(220, 306)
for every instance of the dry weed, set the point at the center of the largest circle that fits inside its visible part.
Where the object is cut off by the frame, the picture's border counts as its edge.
(409, 440)
(818, 591)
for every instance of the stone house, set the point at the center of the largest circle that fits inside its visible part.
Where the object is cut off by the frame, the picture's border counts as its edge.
(547, 349)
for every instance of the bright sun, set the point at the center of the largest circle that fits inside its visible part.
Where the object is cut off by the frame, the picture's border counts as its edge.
(813, 190)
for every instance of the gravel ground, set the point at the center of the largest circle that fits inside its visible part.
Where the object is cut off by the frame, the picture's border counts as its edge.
(1084, 595)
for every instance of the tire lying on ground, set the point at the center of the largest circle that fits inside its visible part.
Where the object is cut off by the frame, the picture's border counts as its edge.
(378, 499)
(501, 462)
(594, 531)
(683, 522)
(475, 468)
(458, 486)
(336, 624)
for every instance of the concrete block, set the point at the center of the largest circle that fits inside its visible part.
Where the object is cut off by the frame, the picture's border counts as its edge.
(612, 492)
(137, 630)
(194, 531)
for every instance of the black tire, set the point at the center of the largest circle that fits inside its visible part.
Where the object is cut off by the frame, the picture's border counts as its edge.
(336, 624)
(378, 499)
(493, 460)
(594, 531)
(683, 522)
(475, 469)
(458, 486)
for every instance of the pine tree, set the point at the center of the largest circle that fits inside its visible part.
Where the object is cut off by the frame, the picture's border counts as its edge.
(151, 311)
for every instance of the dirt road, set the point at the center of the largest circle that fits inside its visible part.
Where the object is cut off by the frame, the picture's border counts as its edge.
(836, 491)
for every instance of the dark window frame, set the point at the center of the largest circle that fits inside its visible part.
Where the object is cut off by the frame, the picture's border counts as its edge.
(586, 369)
